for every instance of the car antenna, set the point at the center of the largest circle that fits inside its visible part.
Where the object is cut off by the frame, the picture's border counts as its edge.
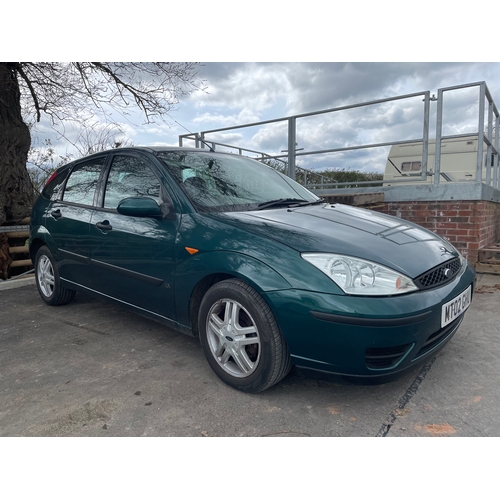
(206, 143)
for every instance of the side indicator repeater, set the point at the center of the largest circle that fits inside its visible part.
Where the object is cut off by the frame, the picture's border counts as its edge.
(191, 250)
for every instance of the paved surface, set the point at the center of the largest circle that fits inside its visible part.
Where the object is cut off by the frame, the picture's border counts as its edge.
(92, 369)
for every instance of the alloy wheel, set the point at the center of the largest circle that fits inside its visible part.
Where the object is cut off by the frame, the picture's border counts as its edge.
(233, 338)
(45, 276)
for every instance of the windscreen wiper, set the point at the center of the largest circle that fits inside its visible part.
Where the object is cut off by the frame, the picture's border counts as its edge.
(298, 202)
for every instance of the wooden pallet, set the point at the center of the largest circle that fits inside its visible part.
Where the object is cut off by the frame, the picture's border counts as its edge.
(15, 240)
(489, 259)
(490, 255)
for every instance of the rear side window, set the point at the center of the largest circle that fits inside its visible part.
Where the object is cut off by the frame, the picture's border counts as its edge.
(82, 182)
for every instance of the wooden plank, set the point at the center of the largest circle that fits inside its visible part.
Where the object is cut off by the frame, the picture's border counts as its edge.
(21, 263)
(18, 234)
(13, 250)
(487, 268)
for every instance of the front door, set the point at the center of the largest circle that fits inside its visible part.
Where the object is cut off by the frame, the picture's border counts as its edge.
(134, 256)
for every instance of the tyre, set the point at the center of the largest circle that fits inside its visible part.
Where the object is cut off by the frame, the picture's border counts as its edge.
(48, 281)
(241, 338)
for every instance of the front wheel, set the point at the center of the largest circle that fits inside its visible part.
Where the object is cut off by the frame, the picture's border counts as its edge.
(48, 281)
(241, 338)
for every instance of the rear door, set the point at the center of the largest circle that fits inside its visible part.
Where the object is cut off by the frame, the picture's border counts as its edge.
(68, 217)
(134, 256)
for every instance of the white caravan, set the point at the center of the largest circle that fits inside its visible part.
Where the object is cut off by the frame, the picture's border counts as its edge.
(458, 161)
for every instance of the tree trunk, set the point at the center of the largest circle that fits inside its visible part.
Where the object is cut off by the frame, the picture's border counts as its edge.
(16, 191)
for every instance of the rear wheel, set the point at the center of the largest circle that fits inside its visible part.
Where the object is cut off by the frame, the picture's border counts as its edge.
(48, 281)
(241, 338)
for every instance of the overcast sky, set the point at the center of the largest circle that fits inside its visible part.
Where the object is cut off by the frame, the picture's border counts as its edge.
(241, 93)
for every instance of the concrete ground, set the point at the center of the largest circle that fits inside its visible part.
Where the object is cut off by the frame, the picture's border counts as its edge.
(93, 369)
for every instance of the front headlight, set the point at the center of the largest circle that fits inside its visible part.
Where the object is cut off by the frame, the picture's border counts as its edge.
(360, 277)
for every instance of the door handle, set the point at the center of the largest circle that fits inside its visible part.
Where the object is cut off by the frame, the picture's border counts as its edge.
(56, 214)
(104, 225)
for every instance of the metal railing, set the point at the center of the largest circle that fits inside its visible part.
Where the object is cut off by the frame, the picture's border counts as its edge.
(488, 134)
(491, 160)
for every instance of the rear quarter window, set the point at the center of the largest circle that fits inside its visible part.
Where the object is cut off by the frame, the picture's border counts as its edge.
(52, 189)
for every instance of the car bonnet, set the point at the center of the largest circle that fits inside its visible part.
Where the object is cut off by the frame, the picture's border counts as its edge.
(353, 231)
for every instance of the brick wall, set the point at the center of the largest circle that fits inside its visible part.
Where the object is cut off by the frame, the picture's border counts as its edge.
(467, 225)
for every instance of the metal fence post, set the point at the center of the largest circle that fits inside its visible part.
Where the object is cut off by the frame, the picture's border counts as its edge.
(292, 135)
(480, 133)
(490, 141)
(425, 143)
(439, 133)
(495, 156)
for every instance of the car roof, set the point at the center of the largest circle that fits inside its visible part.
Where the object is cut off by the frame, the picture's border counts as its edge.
(149, 149)
(165, 148)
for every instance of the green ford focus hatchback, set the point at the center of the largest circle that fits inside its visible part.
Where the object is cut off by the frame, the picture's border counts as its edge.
(264, 272)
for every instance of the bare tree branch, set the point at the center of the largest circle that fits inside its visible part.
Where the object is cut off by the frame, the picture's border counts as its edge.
(19, 69)
(77, 92)
(61, 90)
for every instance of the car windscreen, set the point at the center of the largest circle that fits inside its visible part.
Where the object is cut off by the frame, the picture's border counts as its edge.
(223, 182)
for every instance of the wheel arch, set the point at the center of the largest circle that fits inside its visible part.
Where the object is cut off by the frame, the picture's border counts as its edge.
(227, 265)
(35, 245)
(39, 236)
(199, 292)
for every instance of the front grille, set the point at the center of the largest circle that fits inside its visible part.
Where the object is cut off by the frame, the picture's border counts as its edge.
(439, 275)
(439, 336)
(378, 358)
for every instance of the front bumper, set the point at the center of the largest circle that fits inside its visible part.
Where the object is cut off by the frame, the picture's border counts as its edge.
(366, 336)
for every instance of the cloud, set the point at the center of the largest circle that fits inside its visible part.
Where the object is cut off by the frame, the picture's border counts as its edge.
(250, 86)
(243, 93)
(222, 120)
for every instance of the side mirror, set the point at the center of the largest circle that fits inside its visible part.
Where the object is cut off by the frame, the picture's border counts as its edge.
(139, 207)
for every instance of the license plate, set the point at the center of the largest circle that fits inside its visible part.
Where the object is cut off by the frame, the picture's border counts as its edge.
(455, 307)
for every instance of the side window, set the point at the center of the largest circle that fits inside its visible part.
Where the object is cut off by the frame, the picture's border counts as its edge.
(130, 176)
(411, 166)
(52, 189)
(82, 182)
